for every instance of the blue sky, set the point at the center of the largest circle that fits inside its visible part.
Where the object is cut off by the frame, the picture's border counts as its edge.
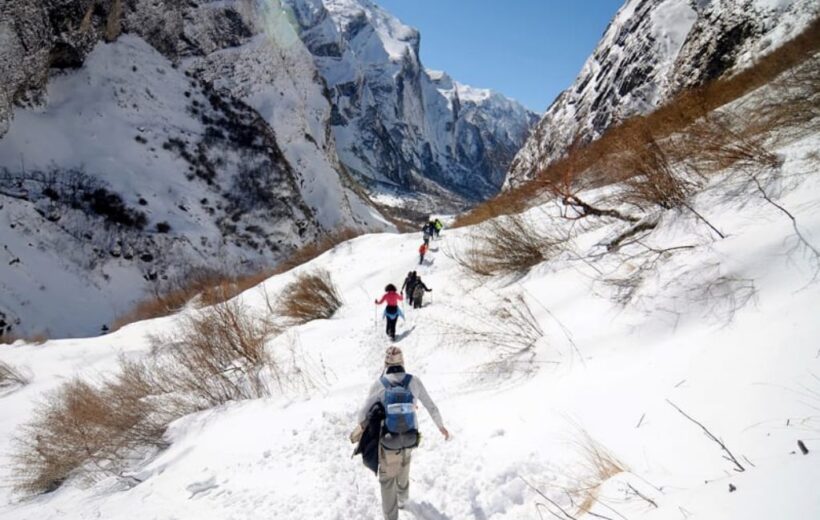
(529, 50)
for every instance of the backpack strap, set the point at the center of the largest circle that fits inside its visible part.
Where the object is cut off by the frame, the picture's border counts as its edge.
(403, 383)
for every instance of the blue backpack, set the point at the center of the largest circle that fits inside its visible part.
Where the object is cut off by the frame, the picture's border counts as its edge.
(400, 413)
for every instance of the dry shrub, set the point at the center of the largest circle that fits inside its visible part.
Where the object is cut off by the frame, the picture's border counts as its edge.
(11, 377)
(311, 296)
(598, 465)
(720, 141)
(510, 330)
(216, 355)
(315, 249)
(211, 287)
(84, 430)
(797, 107)
(507, 245)
(652, 177)
(32, 339)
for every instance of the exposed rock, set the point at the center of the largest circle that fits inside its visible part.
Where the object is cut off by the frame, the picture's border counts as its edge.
(651, 51)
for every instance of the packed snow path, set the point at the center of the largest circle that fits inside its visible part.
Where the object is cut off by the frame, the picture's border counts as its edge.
(600, 367)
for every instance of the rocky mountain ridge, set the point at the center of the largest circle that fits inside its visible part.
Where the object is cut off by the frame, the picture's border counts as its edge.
(140, 140)
(652, 50)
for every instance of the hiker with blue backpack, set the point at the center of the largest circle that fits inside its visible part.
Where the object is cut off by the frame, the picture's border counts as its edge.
(392, 402)
(392, 310)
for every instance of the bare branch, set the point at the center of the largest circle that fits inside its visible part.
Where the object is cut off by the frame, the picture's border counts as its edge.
(728, 455)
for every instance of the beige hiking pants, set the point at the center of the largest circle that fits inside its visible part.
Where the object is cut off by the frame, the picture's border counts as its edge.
(394, 478)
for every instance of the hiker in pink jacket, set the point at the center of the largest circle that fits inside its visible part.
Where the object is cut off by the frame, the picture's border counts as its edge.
(392, 311)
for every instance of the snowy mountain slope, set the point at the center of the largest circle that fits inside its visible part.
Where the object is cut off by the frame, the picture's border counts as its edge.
(173, 151)
(652, 50)
(396, 123)
(222, 143)
(723, 329)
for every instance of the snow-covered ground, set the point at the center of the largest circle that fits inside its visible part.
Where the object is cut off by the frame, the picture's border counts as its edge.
(726, 330)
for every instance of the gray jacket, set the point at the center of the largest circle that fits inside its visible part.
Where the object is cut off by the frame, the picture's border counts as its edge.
(416, 387)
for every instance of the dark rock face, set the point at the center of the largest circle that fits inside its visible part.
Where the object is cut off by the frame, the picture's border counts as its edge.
(652, 50)
(210, 143)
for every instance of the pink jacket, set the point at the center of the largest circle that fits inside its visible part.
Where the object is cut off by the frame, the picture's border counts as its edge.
(392, 298)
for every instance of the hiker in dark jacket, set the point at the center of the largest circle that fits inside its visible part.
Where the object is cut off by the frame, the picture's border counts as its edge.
(392, 311)
(408, 285)
(418, 293)
(395, 449)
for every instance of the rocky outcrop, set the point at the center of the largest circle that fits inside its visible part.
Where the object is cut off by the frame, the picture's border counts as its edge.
(652, 50)
(394, 122)
(167, 136)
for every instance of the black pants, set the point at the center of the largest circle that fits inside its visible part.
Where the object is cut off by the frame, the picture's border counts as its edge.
(392, 310)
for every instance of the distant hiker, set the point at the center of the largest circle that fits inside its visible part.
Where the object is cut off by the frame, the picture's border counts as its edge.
(396, 392)
(392, 311)
(418, 293)
(427, 233)
(437, 225)
(422, 252)
(407, 286)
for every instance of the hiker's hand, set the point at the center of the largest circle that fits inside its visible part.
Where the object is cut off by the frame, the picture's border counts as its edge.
(444, 432)
(376, 302)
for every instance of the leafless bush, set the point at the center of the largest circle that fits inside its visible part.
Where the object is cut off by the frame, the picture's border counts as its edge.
(84, 430)
(653, 179)
(313, 250)
(11, 376)
(510, 331)
(508, 245)
(311, 296)
(203, 285)
(216, 355)
(722, 140)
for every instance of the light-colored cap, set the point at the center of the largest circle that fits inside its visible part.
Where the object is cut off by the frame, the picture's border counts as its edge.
(393, 356)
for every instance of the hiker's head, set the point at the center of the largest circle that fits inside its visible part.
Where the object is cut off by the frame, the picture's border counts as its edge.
(393, 357)
(390, 288)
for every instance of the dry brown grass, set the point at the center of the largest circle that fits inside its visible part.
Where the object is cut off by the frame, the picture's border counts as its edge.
(91, 430)
(311, 296)
(507, 245)
(216, 355)
(11, 376)
(654, 178)
(791, 69)
(32, 339)
(598, 465)
(211, 286)
(84, 430)
(313, 250)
